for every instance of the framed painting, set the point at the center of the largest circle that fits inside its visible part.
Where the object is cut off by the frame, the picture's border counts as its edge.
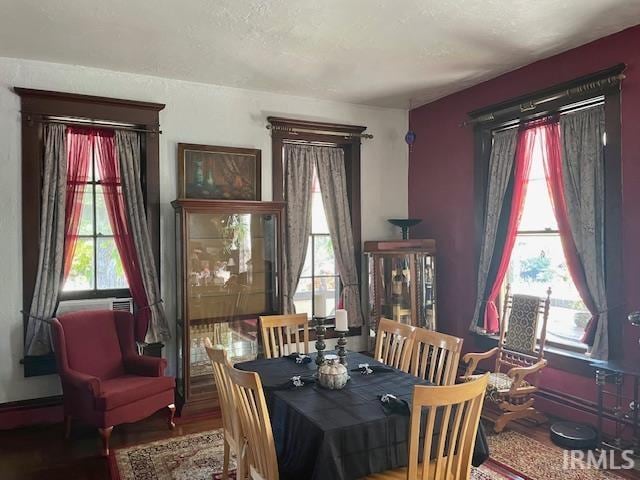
(218, 173)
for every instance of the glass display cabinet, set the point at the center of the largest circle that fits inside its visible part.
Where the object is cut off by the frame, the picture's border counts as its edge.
(228, 268)
(402, 282)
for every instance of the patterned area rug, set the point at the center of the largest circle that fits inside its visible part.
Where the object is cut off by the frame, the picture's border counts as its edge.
(536, 461)
(199, 457)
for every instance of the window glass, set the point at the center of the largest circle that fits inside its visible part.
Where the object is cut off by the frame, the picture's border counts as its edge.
(96, 263)
(538, 262)
(81, 275)
(318, 290)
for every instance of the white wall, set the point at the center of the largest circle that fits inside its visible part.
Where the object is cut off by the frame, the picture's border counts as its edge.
(195, 113)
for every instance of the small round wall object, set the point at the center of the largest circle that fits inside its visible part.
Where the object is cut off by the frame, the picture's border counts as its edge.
(574, 436)
(410, 137)
(332, 374)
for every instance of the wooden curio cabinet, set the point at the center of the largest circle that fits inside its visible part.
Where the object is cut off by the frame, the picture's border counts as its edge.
(228, 268)
(402, 282)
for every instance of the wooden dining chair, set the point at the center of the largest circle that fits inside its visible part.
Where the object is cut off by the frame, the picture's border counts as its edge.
(435, 356)
(256, 424)
(281, 334)
(393, 344)
(233, 438)
(454, 412)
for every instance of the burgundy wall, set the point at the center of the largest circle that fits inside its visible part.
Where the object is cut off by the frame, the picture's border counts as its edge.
(441, 181)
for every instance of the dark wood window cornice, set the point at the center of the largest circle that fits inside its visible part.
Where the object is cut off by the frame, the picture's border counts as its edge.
(286, 124)
(36, 107)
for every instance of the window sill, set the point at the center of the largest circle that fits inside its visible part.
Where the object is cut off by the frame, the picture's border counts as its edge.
(560, 359)
(95, 294)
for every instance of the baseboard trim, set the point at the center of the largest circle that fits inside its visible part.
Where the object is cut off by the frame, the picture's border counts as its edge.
(568, 401)
(25, 413)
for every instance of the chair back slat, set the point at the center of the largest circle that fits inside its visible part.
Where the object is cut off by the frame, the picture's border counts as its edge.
(394, 341)
(453, 412)
(220, 365)
(281, 334)
(519, 330)
(435, 356)
(256, 424)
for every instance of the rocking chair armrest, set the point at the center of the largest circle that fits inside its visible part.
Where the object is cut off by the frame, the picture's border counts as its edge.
(472, 360)
(519, 373)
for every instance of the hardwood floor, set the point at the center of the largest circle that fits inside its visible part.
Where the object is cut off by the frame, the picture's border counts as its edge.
(43, 453)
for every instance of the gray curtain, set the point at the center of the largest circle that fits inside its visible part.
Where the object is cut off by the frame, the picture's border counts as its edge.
(128, 147)
(333, 186)
(583, 180)
(51, 251)
(298, 175)
(503, 151)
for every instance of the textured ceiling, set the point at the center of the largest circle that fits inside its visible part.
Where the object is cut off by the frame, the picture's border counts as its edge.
(390, 53)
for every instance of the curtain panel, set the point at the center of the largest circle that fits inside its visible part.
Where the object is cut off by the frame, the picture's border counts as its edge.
(51, 249)
(524, 154)
(332, 177)
(298, 176)
(79, 146)
(501, 161)
(128, 146)
(581, 135)
(115, 162)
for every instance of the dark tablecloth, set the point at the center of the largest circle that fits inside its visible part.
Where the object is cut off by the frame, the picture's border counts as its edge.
(339, 434)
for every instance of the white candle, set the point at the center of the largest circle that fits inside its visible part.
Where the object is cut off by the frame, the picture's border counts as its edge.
(320, 305)
(342, 325)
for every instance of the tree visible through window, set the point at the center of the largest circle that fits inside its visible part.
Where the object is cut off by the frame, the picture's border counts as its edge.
(320, 279)
(96, 263)
(538, 261)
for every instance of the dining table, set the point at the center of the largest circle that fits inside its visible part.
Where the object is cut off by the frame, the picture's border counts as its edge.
(339, 434)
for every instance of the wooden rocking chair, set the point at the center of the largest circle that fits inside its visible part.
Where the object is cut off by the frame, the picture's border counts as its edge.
(519, 356)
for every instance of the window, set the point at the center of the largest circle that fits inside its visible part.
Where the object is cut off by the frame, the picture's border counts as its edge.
(320, 276)
(538, 263)
(96, 264)
(79, 110)
(318, 290)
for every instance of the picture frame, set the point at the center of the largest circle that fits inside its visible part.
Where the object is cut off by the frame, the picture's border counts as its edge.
(212, 172)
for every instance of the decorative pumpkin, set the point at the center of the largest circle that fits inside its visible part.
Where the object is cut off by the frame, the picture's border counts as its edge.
(333, 375)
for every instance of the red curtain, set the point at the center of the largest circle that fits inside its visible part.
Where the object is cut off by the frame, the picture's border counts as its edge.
(524, 149)
(79, 145)
(553, 172)
(109, 168)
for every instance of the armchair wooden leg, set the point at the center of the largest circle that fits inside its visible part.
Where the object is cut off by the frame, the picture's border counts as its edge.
(67, 426)
(105, 433)
(172, 413)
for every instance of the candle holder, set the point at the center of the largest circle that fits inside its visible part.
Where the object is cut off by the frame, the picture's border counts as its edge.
(321, 330)
(342, 342)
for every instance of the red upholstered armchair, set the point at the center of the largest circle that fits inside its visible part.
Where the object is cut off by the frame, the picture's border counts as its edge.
(104, 380)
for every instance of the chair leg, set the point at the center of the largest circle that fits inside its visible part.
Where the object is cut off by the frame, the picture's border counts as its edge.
(172, 413)
(242, 468)
(225, 462)
(105, 433)
(67, 426)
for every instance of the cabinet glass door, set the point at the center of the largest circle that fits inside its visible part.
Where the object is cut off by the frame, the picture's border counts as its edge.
(231, 266)
(395, 298)
(426, 286)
